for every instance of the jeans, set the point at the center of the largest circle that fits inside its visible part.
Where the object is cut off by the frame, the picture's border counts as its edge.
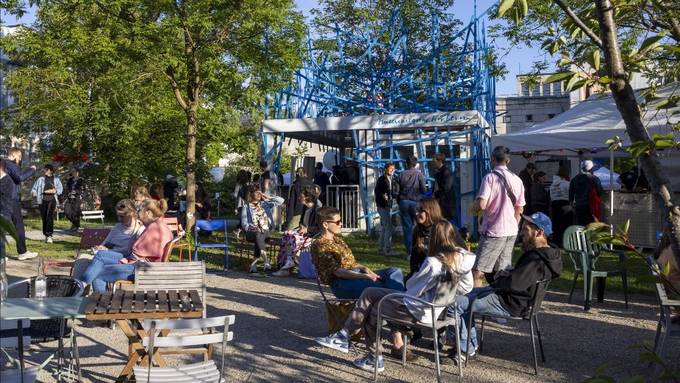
(385, 241)
(18, 221)
(47, 209)
(390, 278)
(482, 300)
(259, 239)
(106, 267)
(407, 212)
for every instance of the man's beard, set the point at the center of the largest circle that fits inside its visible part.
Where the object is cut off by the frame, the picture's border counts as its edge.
(527, 243)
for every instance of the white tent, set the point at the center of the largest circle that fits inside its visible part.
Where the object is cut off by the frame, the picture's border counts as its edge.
(589, 125)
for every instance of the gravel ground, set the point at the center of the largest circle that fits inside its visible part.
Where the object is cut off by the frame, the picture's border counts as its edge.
(277, 318)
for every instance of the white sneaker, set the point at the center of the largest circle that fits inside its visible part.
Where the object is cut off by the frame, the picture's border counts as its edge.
(288, 265)
(267, 267)
(49, 240)
(27, 255)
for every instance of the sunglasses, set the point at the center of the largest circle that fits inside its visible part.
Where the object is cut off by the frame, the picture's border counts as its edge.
(338, 222)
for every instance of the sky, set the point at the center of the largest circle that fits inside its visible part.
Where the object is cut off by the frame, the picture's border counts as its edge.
(518, 60)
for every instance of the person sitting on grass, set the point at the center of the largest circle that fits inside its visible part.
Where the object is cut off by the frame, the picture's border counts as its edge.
(257, 220)
(293, 241)
(445, 264)
(511, 291)
(110, 266)
(335, 263)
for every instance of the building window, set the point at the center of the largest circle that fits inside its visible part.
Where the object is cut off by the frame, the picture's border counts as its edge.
(551, 115)
(506, 119)
(536, 91)
(525, 89)
(557, 88)
(546, 89)
(529, 117)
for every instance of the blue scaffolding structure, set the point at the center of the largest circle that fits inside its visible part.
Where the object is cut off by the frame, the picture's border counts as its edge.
(387, 78)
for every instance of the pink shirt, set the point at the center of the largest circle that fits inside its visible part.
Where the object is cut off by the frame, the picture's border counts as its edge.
(499, 215)
(151, 244)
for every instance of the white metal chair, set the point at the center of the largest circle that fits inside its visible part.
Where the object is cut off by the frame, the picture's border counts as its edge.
(206, 371)
(445, 286)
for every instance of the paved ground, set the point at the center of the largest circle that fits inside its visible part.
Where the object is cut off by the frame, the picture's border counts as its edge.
(276, 319)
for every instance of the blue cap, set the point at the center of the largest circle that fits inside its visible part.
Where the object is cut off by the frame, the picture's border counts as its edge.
(541, 220)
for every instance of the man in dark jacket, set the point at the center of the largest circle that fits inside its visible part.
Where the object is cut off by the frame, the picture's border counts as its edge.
(511, 291)
(18, 176)
(410, 186)
(384, 195)
(527, 177)
(579, 193)
(294, 206)
(445, 190)
(322, 179)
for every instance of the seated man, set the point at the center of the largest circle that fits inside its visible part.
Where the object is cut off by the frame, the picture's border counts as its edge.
(511, 290)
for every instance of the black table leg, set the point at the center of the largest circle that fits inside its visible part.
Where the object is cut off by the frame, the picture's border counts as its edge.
(20, 334)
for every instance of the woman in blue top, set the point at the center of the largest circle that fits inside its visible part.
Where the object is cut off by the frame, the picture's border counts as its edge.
(257, 220)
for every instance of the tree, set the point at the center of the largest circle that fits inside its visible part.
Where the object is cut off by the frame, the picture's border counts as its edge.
(608, 43)
(215, 58)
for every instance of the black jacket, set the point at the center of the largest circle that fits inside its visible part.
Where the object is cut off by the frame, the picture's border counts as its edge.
(384, 192)
(17, 176)
(7, 200)
(580, 186)
(540, 198)
(294, 206)
(517, 288)
(445, 191)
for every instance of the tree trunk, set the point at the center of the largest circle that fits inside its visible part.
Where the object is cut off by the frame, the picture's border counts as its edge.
(624, 96)
(190, 167)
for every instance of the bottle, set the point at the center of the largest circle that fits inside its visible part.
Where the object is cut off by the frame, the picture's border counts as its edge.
(3, 279)
(40, 290)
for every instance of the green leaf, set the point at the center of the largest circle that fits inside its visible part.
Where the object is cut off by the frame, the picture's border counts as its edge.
(596, 59)
(670, 102)
(504, 6)
(650, 43)
(559, 77)
(666, 268)
(626, 226)
(525, 7)
(634, 379)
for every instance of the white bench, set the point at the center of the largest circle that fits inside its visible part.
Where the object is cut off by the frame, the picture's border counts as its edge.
(93, 214)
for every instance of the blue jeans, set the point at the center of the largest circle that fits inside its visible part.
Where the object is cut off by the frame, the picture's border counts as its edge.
(482, 300)
(105, 267)
(385, 241)
(407, 212)
(390, 278)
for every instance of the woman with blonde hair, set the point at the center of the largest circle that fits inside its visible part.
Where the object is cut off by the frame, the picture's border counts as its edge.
(110, 266)
(139, 195)
(435, 282)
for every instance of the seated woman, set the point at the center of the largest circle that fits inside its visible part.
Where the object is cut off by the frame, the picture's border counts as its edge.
(293, 241)
(428, 213)
(445, 263)
(257, 220)
(125, 232)
(336, 265)
(110, 266)
(140, 194)
(202, 202)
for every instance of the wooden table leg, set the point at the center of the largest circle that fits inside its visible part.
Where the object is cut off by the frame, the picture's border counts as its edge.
(134, 345)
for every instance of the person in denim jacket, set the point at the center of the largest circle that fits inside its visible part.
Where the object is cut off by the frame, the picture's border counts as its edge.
(257, 220)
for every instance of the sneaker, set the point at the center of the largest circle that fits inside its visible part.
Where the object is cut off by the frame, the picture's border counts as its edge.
(282, 273)
(27, 255)
(288, 265)
(49, 239)
(452, 355)
(501, 321)
(267, 268)
(336, 341)
(368, 363)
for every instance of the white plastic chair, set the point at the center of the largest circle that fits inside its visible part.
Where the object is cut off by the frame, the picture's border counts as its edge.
(195, 372)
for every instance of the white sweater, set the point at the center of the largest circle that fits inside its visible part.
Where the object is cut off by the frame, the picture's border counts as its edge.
(559, 189)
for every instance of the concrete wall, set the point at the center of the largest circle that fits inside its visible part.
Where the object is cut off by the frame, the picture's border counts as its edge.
(517, 113)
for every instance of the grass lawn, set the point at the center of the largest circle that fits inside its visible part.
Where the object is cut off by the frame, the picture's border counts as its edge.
(365, 251)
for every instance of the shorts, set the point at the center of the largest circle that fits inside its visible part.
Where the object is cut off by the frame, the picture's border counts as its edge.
(494, 253)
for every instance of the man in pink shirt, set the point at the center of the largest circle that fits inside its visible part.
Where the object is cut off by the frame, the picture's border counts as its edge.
(501, 201)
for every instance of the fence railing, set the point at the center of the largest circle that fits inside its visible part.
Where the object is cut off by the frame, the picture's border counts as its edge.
(346, 198)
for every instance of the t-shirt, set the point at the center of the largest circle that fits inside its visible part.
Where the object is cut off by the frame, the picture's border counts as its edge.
(121, 237)
(49, 184)
(499, 216)
(151, 244)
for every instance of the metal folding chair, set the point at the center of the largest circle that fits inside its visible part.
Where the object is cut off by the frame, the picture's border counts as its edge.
(211, 226)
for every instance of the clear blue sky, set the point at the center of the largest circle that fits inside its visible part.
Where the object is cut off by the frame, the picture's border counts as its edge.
(519, 59)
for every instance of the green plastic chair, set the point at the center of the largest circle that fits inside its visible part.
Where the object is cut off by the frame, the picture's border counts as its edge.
(584, 254)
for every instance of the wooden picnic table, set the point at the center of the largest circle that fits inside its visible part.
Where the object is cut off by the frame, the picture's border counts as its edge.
(130, 308)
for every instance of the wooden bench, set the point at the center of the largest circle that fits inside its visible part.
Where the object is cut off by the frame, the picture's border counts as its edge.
(93, 214)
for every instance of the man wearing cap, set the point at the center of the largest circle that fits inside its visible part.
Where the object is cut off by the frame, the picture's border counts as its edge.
(501, 202)
(512, 289)
(580, 189)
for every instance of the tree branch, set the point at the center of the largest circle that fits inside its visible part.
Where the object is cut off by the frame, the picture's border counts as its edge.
(574, 17)
(170, 74)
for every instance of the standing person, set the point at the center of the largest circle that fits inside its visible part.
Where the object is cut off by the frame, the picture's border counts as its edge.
(560, 208)
(18, 176)
(269, 182)
(410, 186)
(428, 213)
(203, 204)
(445, 190)
(527, 177)
(322, 179)
(170, 187)
(46, 191)
(384, 194)
(540, 198)
(294, 206)
(585, 191)
(242, 179)
(6, 199)
(74, 190)
(501, 201)
(257, 220)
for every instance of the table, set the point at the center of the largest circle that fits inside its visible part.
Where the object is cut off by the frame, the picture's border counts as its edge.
(46, 308)
(129, 308)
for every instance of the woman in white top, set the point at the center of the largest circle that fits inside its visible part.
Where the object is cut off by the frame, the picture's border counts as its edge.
(561, 213)
(436, 282)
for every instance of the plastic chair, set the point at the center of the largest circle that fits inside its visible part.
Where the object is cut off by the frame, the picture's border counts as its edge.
(177, 229)
(206, 371)
(534, 307)
(210, 226)
(443, 289)
(584, 254)
(89, 238)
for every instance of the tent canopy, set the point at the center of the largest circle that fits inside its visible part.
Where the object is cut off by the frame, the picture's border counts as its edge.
(589, 125)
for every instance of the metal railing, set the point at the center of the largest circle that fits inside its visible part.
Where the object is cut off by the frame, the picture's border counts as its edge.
(347, 199)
